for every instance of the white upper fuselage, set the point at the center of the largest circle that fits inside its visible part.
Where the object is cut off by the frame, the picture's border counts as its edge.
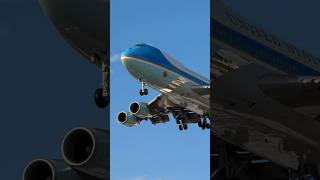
(161, 72)
(246, 43)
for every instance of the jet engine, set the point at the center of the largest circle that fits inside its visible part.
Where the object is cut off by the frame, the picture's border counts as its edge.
(128, 119)
(140, 110)
(86, 151)
(41, 169)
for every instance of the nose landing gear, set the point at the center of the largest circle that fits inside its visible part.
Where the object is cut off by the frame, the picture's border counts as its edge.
(143, 91)
(101, 101)
(101, 95)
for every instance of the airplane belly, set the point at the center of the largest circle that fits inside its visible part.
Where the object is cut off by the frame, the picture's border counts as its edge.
(83, 24)
(252, 120)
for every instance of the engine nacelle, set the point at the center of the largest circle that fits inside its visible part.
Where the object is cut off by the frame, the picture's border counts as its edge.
(41, 169)
(128, 119)
(140, 109)
(87, 151)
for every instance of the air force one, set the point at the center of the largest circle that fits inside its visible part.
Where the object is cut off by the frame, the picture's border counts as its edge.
(184, 93)
(266, 93)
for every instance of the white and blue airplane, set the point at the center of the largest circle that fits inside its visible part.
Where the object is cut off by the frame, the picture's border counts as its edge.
(266, 95)
(184, 93)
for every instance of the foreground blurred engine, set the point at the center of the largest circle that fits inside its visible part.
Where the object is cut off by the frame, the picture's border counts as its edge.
(85, 152)
(41, 169)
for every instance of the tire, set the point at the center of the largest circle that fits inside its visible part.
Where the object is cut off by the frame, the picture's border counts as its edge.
(208, 126)
(200, 123)
(180, 127)
(141, 92)
(185, 126)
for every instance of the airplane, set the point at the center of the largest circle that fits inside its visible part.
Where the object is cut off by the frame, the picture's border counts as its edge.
(85, 26)
(183, 93)
(265, 95)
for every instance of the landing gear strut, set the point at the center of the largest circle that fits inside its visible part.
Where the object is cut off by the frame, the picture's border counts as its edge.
(143, 91)
(101, 94)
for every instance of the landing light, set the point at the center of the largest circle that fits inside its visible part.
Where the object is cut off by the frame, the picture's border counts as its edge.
(123, 58)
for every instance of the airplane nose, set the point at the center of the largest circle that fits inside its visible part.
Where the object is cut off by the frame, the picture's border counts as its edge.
(137, 50)
(126, 54)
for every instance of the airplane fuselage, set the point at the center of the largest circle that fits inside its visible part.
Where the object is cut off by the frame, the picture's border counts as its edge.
(161, 72)
(83, 24)
(254, 45)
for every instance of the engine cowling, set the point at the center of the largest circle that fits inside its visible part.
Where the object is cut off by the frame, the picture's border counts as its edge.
(87, 151)
(41, 169)
(128, 119)
(140, 109)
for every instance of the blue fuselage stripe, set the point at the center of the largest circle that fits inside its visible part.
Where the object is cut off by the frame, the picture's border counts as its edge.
(167, 65)
(259, 51)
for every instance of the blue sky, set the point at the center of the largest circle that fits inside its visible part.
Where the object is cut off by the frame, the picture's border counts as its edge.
(159, 152)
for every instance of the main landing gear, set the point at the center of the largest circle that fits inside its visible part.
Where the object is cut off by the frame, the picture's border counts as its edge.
(180, 117)
(143, 91)
(182, 125)
(204, 124)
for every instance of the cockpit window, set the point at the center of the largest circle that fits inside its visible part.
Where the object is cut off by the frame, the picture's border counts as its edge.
(141, 44)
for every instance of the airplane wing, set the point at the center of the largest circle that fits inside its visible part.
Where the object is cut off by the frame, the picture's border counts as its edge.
(202, 90)
(292, 91)
(157, 112)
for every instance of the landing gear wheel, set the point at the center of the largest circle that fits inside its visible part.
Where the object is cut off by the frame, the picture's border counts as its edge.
(141, 92)
(100, 100)
(185, 126)
(200, 123)
(146, 92)
(203, 126)
(208, 125)
(180, 127)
